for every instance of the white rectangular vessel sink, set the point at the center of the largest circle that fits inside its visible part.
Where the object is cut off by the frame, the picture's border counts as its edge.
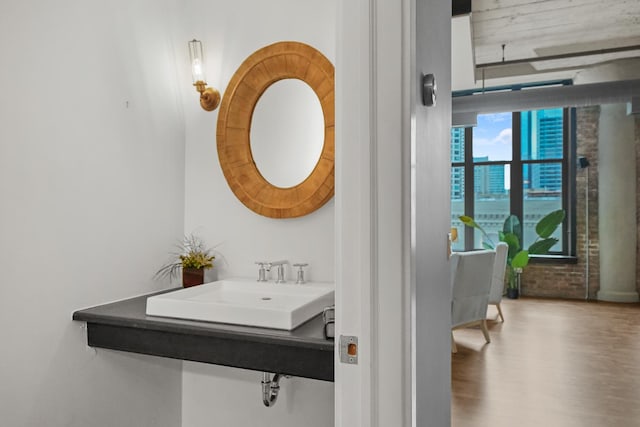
(246, 302)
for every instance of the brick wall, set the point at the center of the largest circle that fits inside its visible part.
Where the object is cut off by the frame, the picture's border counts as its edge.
(568, 280)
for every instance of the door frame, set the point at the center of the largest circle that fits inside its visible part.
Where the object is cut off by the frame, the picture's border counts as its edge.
(373, 213)
(392, 277)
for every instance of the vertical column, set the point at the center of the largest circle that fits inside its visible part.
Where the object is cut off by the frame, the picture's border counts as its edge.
(617, 205)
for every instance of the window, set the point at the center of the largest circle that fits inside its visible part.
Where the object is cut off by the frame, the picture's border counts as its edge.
(518, 163)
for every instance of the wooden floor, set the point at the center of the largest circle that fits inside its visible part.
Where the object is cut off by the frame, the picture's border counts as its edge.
(551, 363)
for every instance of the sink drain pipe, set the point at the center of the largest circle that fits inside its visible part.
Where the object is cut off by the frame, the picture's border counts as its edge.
(270, 388)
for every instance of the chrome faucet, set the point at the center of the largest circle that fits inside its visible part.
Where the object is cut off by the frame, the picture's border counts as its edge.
(264, 267)
(280, 265)
(301, 267)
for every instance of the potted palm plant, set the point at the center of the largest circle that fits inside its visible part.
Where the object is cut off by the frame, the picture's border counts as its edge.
(192, 258)
(511, 234)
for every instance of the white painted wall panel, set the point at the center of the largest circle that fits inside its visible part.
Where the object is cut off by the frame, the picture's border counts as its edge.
(91, 184)
(231, 31)
(233, 397)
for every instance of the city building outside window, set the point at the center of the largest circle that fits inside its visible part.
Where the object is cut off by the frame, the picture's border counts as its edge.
(516, 163)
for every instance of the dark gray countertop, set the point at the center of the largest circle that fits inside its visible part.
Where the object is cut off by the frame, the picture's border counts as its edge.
(124, 325)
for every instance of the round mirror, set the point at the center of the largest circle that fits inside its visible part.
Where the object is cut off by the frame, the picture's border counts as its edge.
(241, 150)
(287, 132)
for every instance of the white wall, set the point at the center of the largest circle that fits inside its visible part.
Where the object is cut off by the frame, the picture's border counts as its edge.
(230, 32)
(91, 190)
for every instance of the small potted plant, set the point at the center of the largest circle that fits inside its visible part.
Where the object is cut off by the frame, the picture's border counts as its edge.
(511, 234)
(192, 258)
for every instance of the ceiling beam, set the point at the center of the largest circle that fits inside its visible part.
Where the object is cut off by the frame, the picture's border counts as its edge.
(559, 56)
(548, 97)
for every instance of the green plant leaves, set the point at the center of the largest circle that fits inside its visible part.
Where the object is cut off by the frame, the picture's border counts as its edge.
(547, 225)
(192, 253)
(512, 225)
(541, 247)
(520, 260)
(514, 244)
(511, 234)
(468, 221)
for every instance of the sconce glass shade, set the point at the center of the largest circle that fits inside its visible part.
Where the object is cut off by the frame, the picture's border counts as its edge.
(197, 61)
(209, 97)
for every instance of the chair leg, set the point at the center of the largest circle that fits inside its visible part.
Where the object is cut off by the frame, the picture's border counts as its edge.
(485, 331)
(500, 312)
(454, 348)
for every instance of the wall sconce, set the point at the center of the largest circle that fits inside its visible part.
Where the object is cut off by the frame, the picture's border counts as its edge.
(209, 97)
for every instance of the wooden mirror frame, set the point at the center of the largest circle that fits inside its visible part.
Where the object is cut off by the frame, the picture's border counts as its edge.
(282, 60)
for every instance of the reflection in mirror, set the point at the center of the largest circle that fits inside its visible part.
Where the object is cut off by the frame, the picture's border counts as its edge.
(287, 132)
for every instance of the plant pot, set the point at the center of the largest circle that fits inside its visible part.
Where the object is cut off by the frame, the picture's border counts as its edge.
(513, 293)
(192, 277)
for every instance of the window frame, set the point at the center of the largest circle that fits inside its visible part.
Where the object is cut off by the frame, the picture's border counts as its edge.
(516, 192)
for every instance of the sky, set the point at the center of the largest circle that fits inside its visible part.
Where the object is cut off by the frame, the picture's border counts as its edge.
(492, 136)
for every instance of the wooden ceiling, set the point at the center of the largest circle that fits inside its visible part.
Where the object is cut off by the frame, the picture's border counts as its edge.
(531, 29)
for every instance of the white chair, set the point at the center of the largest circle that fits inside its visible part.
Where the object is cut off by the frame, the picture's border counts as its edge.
(471, 274)
(497, 283)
